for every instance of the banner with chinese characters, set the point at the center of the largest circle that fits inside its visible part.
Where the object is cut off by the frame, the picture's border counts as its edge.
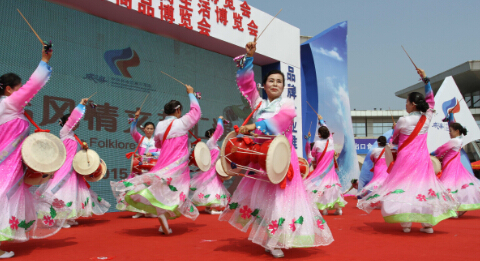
(293, 90)
(448, 97)
(122, 65)
(362, 146)
(324, 86)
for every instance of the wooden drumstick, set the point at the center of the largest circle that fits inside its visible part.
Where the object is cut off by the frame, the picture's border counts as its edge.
(173, 78)
(144, 101)
(91, 96)
(40, 39)
(268, 24)
(416, 68)
(312, 109)
(391, 114)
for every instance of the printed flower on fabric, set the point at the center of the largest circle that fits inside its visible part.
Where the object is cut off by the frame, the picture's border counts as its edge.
(169, 181)
(292, 225)
(449, 190)
(182, 197)
(338, 184)
(217, 196)
(57, 203)
(200, 195)
(374, 205)
(421, 197)
(273, 227)
(320, 224)
(246, 212)
(13, 223)
(375, 187)
(83, 205)
(228, 199)
(444, 198)
(432, 193)
(47, 220)
(465, 186)
(328, 186)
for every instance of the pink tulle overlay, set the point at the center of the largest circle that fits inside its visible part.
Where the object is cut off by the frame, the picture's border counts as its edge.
(412, 192)
(379, 176)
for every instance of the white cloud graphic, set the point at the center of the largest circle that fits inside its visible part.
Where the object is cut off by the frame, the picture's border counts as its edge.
(332, 54)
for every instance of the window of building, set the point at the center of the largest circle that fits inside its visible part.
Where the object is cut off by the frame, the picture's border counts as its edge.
(359, 129)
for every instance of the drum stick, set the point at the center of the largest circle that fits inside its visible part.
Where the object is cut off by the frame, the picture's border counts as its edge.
(250, 177)
(312, 109)
(40, 39)
(91, 96)
(268, 24)
(174, 78)
(144, 101)
(416, 68)
(391, 114)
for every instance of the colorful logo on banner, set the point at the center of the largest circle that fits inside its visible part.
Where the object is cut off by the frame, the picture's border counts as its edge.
(447, 105)
(120, 60)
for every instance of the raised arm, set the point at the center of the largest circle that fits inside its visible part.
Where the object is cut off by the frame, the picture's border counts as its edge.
(429, 98)
(212, 142)
(19, 99)
(133, 131)
(75, 117)
(193, 116)
(246, 83)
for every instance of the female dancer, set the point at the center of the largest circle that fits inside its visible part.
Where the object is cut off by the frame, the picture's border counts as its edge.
(412, 192)
(207, 187)
(455, 177)
(323, 183)
(19, 210)
(282, 215)
(163, 191)
(379, 167)
(68, 186)
(146, 148)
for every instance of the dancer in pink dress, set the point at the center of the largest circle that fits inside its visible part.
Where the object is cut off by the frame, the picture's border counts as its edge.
(146, 148)
(281, 215)
(323, 184)
(163, 191)
(68, 186)
(379, 167)
(22, 216)
(206, 187)
(463, 185)
(412, 192)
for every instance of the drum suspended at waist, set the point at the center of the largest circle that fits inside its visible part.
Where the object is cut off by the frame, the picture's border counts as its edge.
(240, 152)
(88, 164)
(43, 154)
(142, 164)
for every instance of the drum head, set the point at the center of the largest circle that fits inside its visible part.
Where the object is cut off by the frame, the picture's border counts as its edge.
(437, 166)
(278, 159)
(202, 156)
(227, 167)
(221, 173)
(43, 152)
(388, 155)
(307, 167)
(90, 178)
(84, 165)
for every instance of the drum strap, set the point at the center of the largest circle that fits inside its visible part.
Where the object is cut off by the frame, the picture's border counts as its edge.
(445, 166)
(321, 157)
(167, 132)
(130, 154)
(379, 157)
(410, 138)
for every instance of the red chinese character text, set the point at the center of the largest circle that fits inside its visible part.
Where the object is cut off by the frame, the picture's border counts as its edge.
(127, 3)
(166, 13)
(186, 14)
(229, 4)
(145, 7)
(204, 8)
(204, 27)
(221, 15)
(238, 22)
(245, 9)
(253, 28)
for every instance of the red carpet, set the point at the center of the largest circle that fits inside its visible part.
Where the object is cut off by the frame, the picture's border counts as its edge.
(358, 236)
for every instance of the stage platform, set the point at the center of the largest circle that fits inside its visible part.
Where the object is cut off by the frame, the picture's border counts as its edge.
(358, 236)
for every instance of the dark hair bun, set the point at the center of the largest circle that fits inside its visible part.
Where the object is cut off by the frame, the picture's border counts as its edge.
(171, 107)
(382, 141)
(209, 133)
(419, 100)
(323, 132)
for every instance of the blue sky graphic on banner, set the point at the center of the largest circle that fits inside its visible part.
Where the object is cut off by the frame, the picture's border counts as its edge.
(324, 86)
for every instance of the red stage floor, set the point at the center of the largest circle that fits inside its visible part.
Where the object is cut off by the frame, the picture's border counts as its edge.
(358, 236)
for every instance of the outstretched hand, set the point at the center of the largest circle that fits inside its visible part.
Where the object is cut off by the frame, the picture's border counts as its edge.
(189, 89)
(421, 73)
